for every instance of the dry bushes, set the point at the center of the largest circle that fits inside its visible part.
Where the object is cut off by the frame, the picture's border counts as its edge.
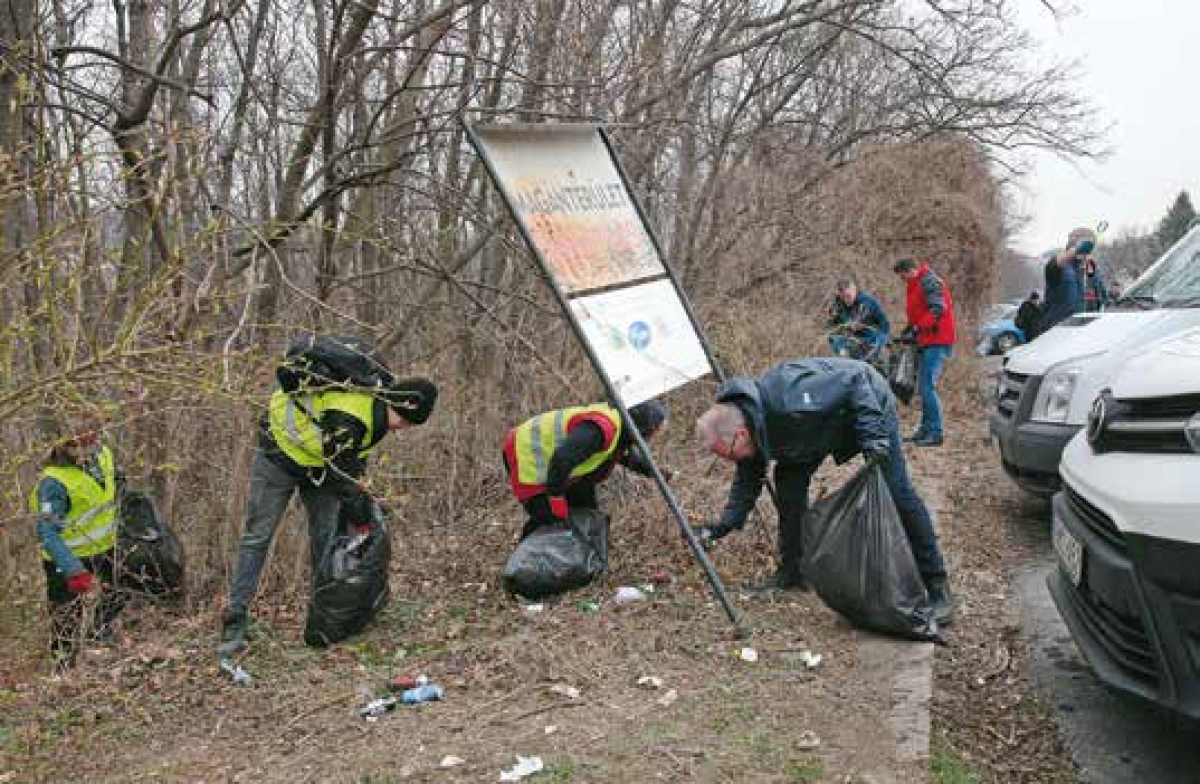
(934, 200)
(190, 431)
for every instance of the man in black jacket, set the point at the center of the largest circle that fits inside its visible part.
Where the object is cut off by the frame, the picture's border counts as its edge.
(797, 414)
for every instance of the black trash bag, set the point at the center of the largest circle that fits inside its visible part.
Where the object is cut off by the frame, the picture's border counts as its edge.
(558, 558)
(149, 556)
(902, 372)
(316, 362)
(858, 559)
(351, 583)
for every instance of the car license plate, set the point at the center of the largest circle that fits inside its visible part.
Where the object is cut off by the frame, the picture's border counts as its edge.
(1070, 553)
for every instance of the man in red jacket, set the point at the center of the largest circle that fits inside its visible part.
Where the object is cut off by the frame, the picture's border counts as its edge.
(930, 313)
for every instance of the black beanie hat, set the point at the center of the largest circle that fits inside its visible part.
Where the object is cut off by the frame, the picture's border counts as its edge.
(648, 416)
(411, 398)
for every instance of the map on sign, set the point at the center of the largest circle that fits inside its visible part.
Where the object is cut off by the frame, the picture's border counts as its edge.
(644, 339)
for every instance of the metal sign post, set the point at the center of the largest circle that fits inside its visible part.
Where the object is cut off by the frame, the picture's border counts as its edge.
(564, 298)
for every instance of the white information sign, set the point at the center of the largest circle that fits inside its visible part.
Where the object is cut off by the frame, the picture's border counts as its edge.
(644, 339)
(568, 194)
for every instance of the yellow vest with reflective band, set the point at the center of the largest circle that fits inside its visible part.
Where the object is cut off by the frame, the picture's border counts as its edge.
(536, 440)
(297, 434)
(91, 524)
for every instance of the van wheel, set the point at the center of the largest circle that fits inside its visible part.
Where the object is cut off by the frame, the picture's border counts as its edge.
(1006, 342)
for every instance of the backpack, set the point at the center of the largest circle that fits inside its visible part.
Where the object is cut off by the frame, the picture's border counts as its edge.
(321, 362)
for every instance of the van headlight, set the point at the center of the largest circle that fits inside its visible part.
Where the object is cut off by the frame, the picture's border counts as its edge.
(1053, 401)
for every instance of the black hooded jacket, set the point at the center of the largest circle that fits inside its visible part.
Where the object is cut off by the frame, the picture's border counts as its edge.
(801, 412)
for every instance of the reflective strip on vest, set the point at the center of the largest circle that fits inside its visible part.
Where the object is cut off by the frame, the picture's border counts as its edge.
(86, 536)
(91, 524)
(290, 419)
(538, 438)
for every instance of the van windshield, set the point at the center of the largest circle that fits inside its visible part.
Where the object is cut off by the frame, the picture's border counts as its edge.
(1173, 281)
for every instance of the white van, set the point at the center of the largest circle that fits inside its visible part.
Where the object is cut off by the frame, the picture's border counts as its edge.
(1047, 386)
(1127, 529)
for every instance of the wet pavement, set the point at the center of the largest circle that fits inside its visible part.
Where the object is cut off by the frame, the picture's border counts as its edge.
(1113, 739)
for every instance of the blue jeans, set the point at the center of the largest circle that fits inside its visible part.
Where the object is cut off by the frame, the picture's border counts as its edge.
(933, 359)
(914, 515)
(791, 488)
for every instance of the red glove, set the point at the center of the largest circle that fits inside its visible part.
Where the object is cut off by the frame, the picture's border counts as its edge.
(80, 582)
(558, 506)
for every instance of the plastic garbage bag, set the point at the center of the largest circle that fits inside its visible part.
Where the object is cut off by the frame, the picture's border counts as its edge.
(558, 558)
(351, 584)
(858, 559)
(902, 372)
(149, 556)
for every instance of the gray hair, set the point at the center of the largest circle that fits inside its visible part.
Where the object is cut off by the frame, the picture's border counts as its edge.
(719, 423)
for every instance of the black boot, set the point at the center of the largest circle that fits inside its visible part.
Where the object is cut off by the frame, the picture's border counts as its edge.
(233, 632)
(941, 600)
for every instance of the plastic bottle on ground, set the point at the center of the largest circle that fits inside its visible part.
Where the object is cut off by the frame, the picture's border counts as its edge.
(430, 692)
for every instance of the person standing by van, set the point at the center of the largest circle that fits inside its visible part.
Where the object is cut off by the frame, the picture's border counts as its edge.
(1029, 316)
(1065, 278)
(1095, 294)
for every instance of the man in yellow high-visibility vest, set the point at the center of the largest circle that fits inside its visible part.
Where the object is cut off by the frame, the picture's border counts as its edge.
(75, 508)
(556, 459)
(314, 443)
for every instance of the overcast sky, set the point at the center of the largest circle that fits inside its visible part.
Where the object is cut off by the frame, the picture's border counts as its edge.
(1141, 68)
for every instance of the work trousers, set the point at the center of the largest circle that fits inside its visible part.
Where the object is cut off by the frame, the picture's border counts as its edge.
(271, 488)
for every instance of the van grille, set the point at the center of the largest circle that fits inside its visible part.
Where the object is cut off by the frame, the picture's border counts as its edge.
(1154, 425)
(1012, 386)
(1097, 521)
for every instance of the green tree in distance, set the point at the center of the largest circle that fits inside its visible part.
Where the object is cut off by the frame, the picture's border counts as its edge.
(1177, 221)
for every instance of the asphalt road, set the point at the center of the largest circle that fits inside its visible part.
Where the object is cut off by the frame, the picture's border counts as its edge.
(1113, 739)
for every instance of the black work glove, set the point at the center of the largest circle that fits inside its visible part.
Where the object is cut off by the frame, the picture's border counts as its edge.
(877, 454)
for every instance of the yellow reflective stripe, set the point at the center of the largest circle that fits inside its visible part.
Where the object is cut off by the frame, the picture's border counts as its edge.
(82, 537)
(537, 450)
(290, 417)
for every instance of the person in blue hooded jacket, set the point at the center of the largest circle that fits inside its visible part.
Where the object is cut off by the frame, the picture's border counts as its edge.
(1066, 278)
(797, 414)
